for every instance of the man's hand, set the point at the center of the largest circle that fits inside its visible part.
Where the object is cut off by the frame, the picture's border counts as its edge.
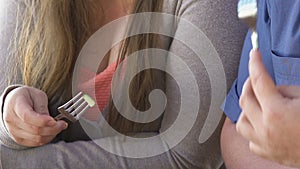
(270, 117)
(27, 119)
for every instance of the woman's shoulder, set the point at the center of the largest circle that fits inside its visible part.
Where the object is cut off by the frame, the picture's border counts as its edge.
(8, 16)
(196, 8)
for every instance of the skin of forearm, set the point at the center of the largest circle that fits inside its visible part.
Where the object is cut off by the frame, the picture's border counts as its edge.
(236, 153)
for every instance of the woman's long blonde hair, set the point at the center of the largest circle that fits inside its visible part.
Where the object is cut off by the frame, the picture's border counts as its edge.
(48, 38)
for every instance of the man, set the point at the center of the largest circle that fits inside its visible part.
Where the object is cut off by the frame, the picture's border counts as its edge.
(268, 93)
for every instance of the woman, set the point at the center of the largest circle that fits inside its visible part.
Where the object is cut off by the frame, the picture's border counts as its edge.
(50, 35)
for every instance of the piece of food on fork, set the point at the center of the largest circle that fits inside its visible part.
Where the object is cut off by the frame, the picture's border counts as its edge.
(247, 11)
(75, 107)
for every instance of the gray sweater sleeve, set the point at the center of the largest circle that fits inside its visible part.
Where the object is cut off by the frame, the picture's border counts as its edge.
(7, 27)
(216, 19)
(5, 138)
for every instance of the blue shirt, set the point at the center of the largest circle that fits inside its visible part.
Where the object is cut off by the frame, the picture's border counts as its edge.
(278, 26)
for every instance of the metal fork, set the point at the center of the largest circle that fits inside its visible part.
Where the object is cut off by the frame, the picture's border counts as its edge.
(247, 11)
(75, 108)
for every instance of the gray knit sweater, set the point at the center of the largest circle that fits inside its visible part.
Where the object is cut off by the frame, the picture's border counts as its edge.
(218, 21)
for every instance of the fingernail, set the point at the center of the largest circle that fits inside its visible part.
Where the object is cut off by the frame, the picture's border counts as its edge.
(51, 123)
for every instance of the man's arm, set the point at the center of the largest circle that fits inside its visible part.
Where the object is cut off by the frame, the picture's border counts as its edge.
(236, 153)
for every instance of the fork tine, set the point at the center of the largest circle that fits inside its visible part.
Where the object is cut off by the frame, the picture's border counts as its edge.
(75, 107)
(65, 114)
(72, 100)
(72, 107)
(82, 111)
(75, 111)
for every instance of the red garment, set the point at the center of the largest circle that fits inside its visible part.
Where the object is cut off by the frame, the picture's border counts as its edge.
(102, 85)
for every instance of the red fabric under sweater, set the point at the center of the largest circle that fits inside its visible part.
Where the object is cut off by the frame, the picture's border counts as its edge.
(102, 84)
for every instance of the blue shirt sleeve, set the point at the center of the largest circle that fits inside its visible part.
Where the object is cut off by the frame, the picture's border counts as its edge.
(278, 27)
(231, 105)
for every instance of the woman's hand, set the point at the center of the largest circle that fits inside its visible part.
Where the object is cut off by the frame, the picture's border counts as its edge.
(270, 119)
(27, 119)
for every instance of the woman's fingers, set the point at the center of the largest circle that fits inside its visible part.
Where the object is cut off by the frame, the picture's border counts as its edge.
(27, 118)
(25, 112)
(39, 137)
(34, 143)
(42, 131)
(54, 130)
(39, 100)
(21, 134)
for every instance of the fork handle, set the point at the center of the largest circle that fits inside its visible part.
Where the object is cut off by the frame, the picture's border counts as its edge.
(65, 114)
(59, 117)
